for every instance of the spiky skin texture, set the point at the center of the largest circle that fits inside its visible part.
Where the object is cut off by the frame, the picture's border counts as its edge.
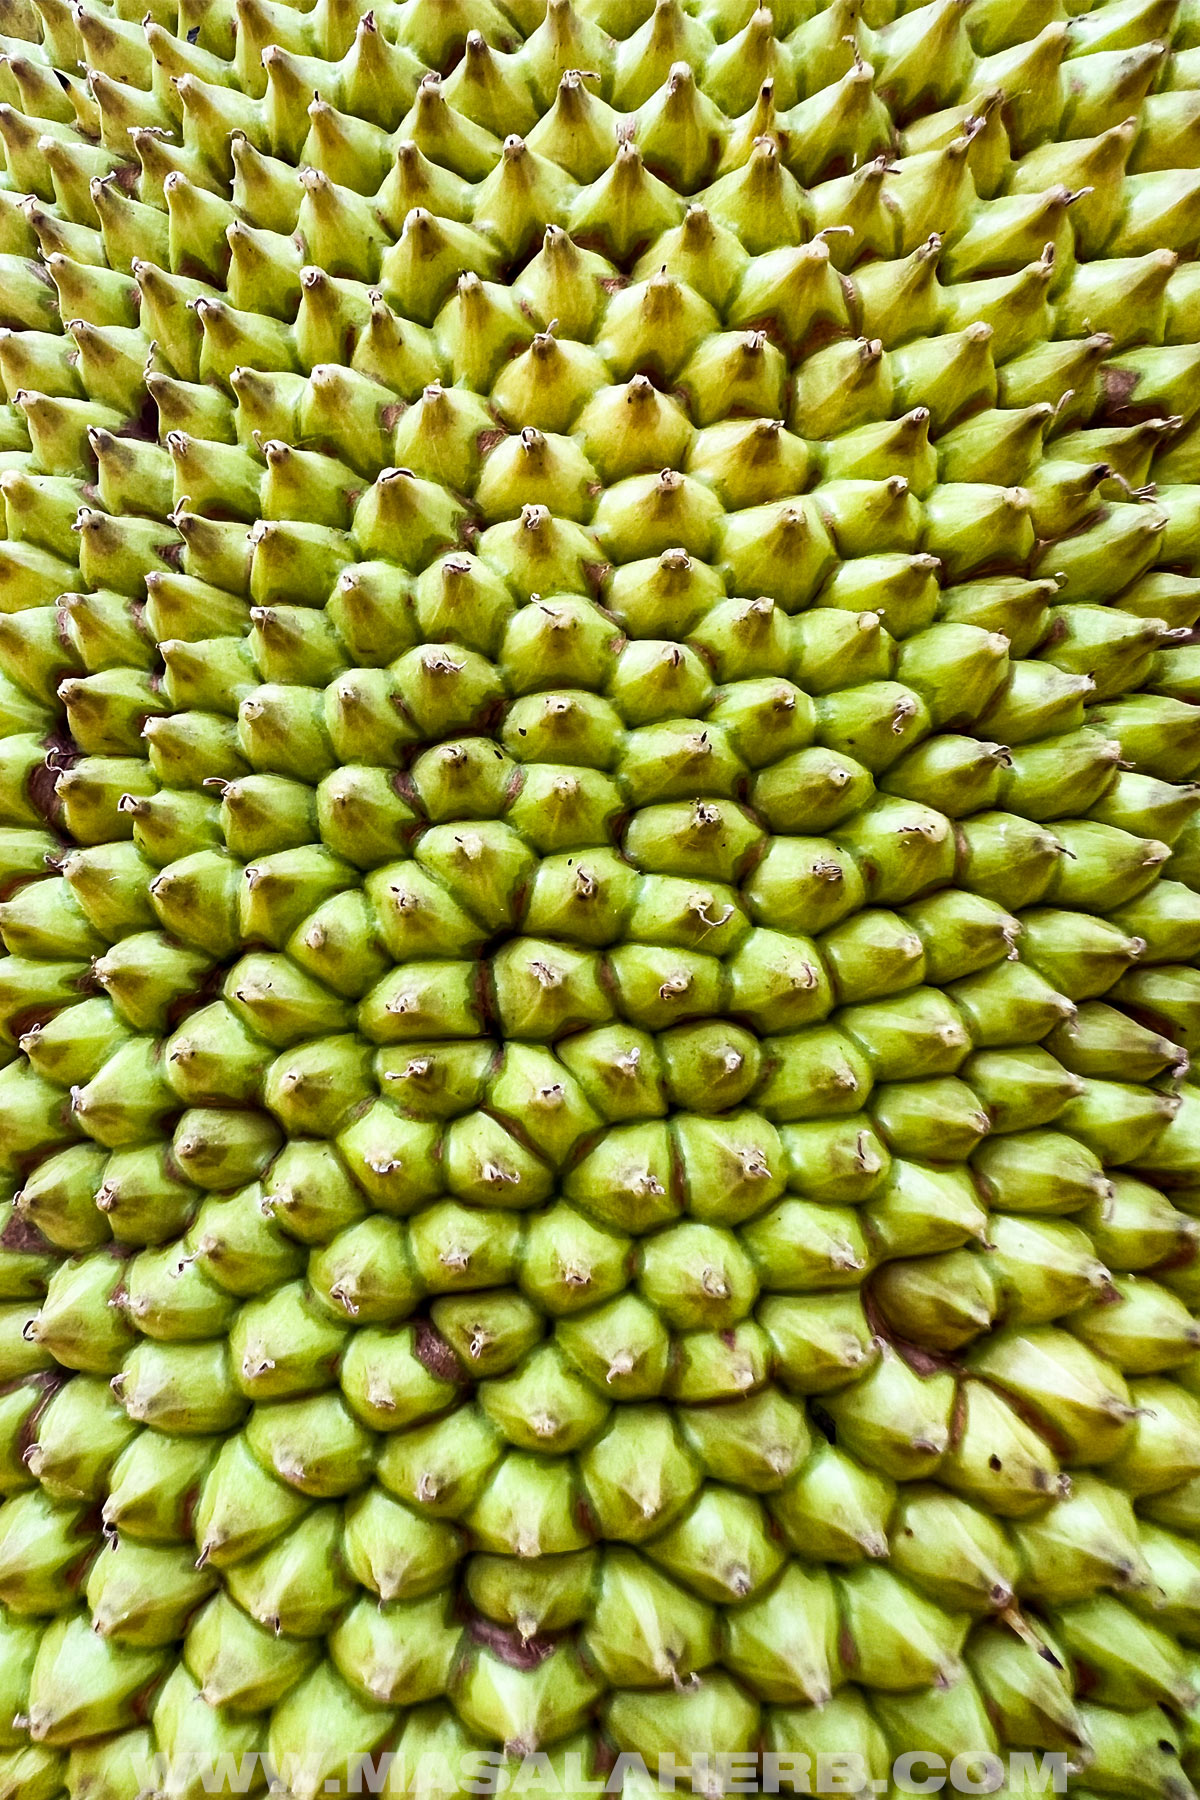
(600, 886)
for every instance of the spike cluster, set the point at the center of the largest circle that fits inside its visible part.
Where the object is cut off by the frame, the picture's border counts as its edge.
(600, 882)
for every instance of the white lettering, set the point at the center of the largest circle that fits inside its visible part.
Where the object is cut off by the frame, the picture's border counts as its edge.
(905, 1777)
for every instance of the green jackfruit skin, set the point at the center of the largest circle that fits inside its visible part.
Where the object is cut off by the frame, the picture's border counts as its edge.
(600, 889)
